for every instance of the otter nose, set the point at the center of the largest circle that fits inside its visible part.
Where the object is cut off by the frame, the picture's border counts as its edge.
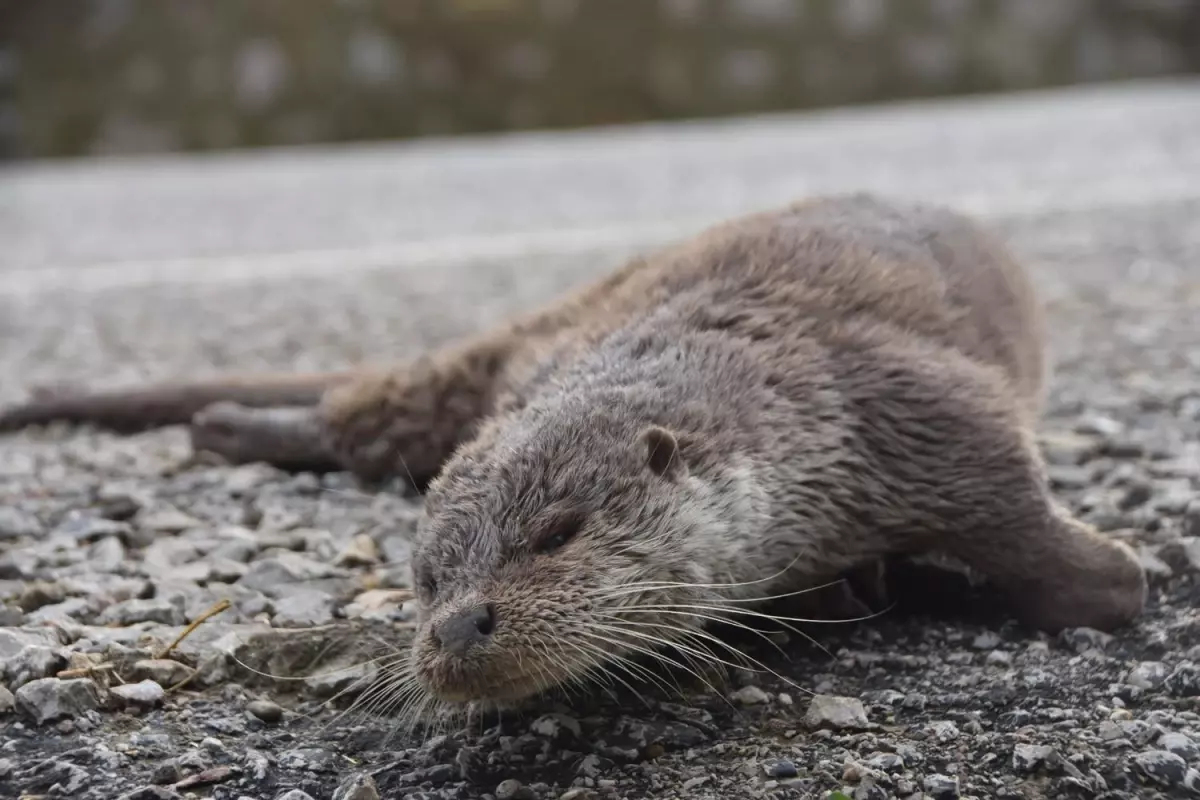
(471, 626)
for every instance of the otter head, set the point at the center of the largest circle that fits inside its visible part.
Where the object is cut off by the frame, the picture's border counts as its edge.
(543, 543)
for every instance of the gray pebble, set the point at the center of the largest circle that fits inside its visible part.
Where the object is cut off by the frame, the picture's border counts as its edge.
(266, 710)
(886, 762)
(303, 608)
(151, 793)
(166, 520)
(1083, 639)
(162, 671)
(836, 712)
(131, 612)
(1191, 518)
(553, 726)
(17, 524)
(7, 701)
(750, 696)
(360, 786)
(780, 769)
(1161, 767)
(1030, 757)
(1147, 675)
(1181, 745)
(144, 693)
(51, 699)
(1184, 681)
(988, 640)
(941, 786)
(513, 789)
(294, 794)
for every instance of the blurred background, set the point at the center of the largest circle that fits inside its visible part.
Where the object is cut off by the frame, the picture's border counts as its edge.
(92, 77)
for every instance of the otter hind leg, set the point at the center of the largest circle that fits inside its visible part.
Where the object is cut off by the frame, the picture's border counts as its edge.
(961, 473)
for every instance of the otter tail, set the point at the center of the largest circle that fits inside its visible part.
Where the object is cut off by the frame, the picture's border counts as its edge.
(155, 406)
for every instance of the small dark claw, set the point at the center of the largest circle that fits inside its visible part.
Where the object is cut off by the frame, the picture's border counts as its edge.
(286, 437)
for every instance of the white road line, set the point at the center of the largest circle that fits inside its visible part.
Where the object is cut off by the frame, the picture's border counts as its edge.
(33, 283)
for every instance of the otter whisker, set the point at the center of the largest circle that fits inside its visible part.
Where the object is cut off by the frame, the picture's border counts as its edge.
(647, 674)
(760, 614)
(716, 659)
(718, 615)
(599, 662)
(716, 619)
(692, 668)
(659, 587)
(695, 637)
(635, 670)
(662, 641)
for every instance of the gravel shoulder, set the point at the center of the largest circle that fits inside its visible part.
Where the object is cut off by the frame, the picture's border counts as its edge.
(110, 547)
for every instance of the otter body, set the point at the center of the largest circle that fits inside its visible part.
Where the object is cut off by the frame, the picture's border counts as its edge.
(785, 397)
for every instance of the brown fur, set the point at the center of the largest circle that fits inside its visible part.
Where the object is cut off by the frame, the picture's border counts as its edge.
(816, 387)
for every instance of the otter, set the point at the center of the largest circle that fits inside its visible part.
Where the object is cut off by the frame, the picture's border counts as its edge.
(783, 398)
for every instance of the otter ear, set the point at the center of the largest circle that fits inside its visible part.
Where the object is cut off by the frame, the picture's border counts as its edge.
(662, 453)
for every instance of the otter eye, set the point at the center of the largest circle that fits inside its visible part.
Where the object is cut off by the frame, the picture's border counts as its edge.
(563, 530)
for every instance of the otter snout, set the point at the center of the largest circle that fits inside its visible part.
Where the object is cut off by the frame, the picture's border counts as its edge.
(466, 628)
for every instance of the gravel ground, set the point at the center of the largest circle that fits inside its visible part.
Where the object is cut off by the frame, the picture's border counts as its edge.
(110, 546)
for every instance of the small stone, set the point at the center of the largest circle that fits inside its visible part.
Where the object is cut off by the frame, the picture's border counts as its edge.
(886, 762)
(942, 786)
(1099, 425)
(40, 593)
(151, 793)
(1161, 767)
(295, 794)
(513, 789)
(1181, 745)
(167, 521)
(1191, 519)
(1184, 681)
(1084, 639)
(51, 699)
(360, 552)
(162, 671)
(143, 693)
(1181, 555)
(268, 574)
(1147, 675)
(1153, 564)
(942, 732)
(750, 696)
(374, 600)
(1000, 658)
(780, 769)
(578, 793)
(131, 612)
(1068, 449)
(303, 608)
(360, 786)
(17, 524)
(988, 640)
(7, 701)
(1030, 757)
(552, 726)
(265, 710)
(836, 712)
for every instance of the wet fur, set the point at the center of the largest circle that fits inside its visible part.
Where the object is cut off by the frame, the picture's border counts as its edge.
(835, 382)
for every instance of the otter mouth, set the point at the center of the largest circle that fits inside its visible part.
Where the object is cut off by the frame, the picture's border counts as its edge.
(491, 684)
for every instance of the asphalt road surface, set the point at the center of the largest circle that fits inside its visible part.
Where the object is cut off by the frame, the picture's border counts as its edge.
(115, 270)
